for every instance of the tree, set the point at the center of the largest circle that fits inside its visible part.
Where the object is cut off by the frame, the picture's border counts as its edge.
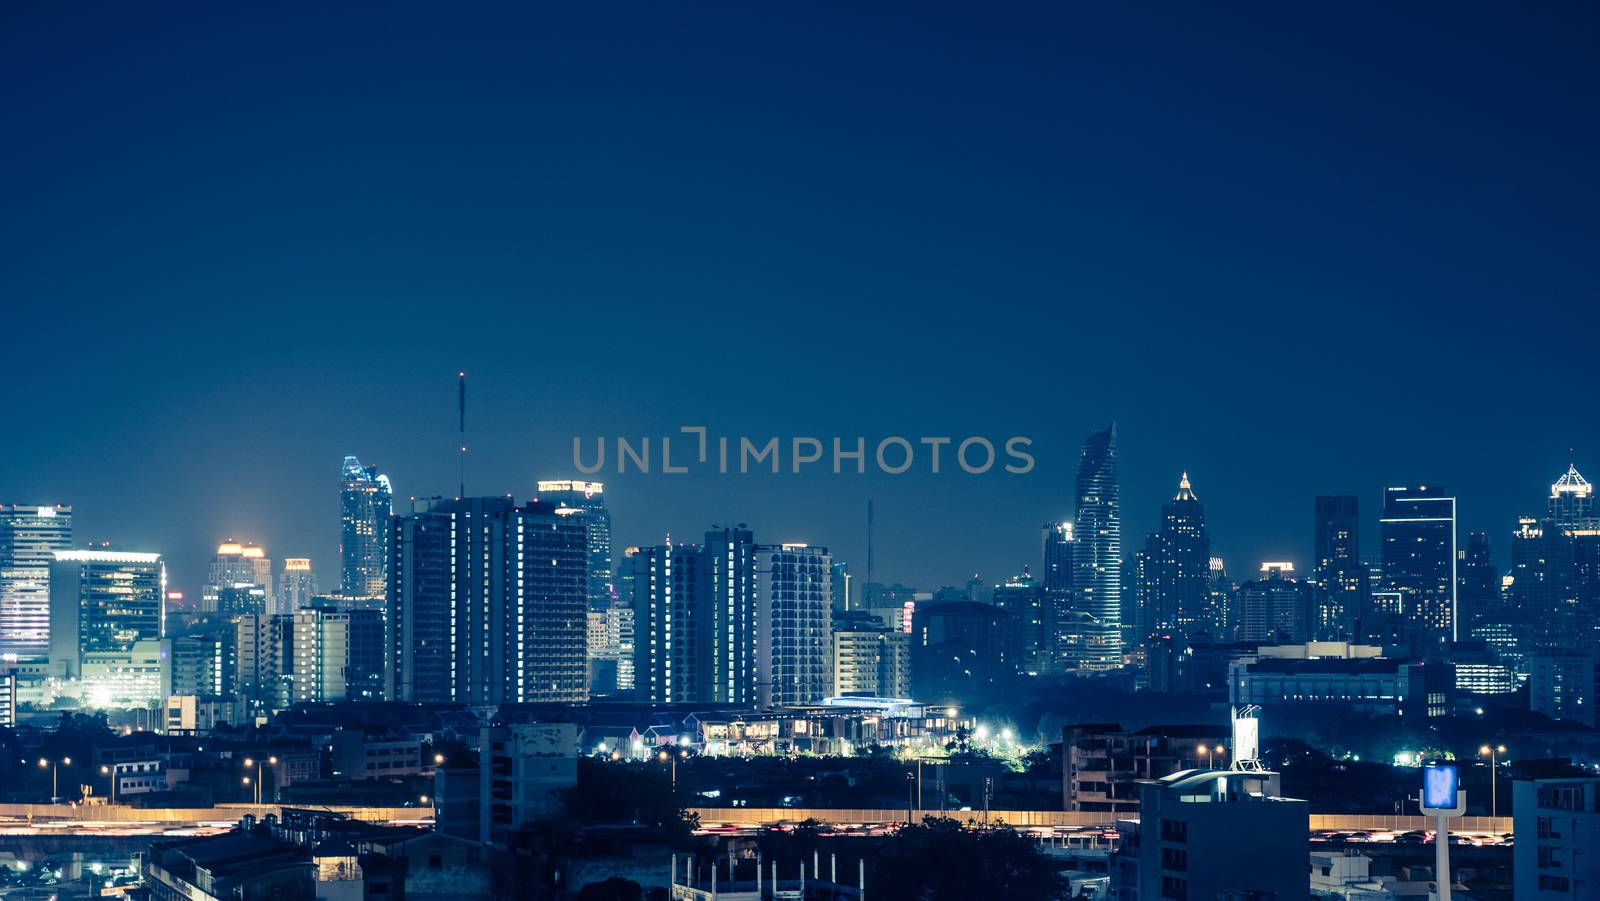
(942, 860)
(610, 792)
(614, 889)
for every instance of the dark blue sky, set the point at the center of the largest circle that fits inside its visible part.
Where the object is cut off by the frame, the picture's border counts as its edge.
(1292, 251)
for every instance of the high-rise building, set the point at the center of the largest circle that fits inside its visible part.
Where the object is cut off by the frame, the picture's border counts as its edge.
(1571, 499)
(236, 564)
(1024, 596)
(666, 580)
(240, 598)
(1275, 607)
(794, 603)
(1058, 597)
(297, 585)
(204, 661)
(1178, 566)
(587, 499)
(964, 651)
(1418, 529)
(29, 538)
(263, 661)
(1097, 570)
(728, 620)
(840, 572)
(486, 603)
(337, 655)
(366, 504)
(1555, 571)
(1337, 574)
(1562, 861)
(870, 661)
(1478, 597)
(102, 602)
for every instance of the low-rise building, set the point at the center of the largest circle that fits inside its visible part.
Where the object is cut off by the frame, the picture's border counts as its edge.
(1347, 876)
(356, 756)
(1357, 676)
(1205, 834)
(523, 770)
(1104, 765)
(1562, 686)
(197, 714)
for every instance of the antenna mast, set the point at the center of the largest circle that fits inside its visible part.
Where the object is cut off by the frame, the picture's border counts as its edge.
(461, 430)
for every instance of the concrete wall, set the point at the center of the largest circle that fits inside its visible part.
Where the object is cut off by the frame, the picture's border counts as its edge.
(106, 813)
(1318, 821)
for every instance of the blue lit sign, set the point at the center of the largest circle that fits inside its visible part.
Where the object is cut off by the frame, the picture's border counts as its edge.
(1439, 786)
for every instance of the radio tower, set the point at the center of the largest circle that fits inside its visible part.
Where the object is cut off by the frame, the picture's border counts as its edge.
(461, 430)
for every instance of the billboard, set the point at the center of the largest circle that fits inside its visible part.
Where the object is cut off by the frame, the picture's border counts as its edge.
(1439, 786)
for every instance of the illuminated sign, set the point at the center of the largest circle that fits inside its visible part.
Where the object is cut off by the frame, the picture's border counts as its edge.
(1439, 786)
(905, 617)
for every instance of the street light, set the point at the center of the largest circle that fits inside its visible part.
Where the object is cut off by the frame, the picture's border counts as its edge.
(65, 761)
(1493, 753)
(250, 762)
(1209, 751)
(438, 760)
(112, 772)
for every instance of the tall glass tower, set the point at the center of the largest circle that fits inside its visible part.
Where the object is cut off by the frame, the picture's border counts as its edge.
(1418, 529)
(589, 500)
(366, 503)
(1178, 566)
(1337, 572)
(29, 538)
(1097, 554)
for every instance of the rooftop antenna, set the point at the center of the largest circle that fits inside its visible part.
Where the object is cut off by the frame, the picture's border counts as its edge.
(870, 562)
(461, 430)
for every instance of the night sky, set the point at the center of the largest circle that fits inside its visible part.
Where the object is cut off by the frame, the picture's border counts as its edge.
(1293, 252)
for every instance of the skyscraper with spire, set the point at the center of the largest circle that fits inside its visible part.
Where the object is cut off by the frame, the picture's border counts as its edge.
(1177, 566)
(366, 502)
(1097, 557)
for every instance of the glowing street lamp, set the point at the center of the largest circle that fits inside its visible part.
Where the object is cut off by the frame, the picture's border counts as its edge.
(112, 772)
(1209, 751)
(1493, 753)
(251, 762)
(52, 764)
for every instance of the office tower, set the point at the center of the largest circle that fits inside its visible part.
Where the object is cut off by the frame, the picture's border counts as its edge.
(1337, 573)
(1024, 596)
(1478, 595)
(964, 652)
(1275, 607)
(297, 585)
(486, 603)
(794, 603)
(1058, 597)
(587, 499)
(1418, 530)
(666, 580)
(1097, 570)
(236, 564)
(610, 643)
(728, 620)
(892, 603)
(29, 538)
(1178, 565)
(366, 504)
(1555, 571)
(337, 656)
(102, 602)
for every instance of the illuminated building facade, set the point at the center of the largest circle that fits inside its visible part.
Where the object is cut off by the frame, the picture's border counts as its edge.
(588, 500)
(102, 602)
(794, 601)
(29, 538)
(297, 585)
(1097, 570)
(366, 504)
(1176, 582)
(1337, 573)
(236, 564)
(1418, 531)
(487, 603)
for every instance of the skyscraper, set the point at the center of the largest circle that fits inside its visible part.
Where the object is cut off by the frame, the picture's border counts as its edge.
(1058, 597)
(366, 503)
(236, 564)
(666, 579)
(1024, 596)
(794, 601)
(1555, 570)
(102, 602)
(1337, 572)
(727, 617)
(297, 585)
(1418, 529)
(1178, 566)
(1097, 576)
(1275, 607)
(1571, 498)
(1478, 597)
(487, 603)
(29, 538)
(588, 500)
